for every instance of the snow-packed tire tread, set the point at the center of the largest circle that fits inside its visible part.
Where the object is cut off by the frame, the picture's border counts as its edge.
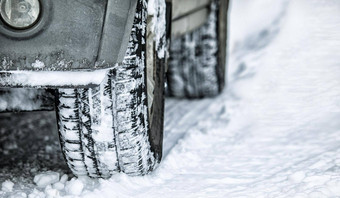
(122, 101)
(69, 115)
(131, 121)
(194, 61)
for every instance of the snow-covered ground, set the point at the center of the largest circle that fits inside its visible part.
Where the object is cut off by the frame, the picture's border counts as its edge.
(275, 132)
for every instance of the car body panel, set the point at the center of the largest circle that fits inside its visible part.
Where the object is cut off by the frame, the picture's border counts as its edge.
(69, 40)
(116, 31)
(189, 23)
(75, 34)
(188, 15)
(183, 7)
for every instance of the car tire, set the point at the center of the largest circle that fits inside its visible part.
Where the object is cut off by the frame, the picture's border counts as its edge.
(197, 62)
(118, 126)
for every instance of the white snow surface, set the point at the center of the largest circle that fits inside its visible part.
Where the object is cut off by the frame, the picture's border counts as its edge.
(275, 132)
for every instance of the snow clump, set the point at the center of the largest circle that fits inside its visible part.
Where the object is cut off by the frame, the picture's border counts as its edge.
(20, 195)
(38, 64)
(51, 192)
(47, 178)
(7, 186)
(74, 187)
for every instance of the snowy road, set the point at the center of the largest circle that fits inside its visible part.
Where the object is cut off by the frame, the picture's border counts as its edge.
(274, 133)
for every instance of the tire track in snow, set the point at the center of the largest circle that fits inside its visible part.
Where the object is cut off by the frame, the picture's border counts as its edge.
(181, 115)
